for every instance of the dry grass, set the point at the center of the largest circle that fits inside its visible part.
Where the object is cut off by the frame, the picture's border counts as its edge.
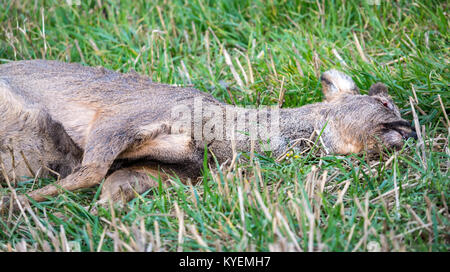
(252, 53)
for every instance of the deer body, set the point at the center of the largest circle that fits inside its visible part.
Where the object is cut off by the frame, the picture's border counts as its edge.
(89, 123)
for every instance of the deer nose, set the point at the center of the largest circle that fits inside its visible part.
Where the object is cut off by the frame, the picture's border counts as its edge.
(413, 134)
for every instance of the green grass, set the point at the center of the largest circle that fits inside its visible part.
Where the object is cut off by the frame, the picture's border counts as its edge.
(312, 202)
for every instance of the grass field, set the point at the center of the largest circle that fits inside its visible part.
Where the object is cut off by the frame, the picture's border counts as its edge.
(311, 202)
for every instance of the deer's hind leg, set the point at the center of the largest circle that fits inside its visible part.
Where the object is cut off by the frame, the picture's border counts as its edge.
(123, 185)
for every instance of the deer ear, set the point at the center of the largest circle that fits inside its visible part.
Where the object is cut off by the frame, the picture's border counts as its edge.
(378, 89)
(336, 83)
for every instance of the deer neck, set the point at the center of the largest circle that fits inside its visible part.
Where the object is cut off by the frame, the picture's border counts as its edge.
(268, 129)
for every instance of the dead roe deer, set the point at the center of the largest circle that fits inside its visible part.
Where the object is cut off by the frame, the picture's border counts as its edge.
(90, 124)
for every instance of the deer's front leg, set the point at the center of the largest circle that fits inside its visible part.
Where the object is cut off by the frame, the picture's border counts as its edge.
(85, 176)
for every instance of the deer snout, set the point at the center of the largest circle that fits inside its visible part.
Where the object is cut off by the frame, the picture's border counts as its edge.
(409, 133)
(412, 134)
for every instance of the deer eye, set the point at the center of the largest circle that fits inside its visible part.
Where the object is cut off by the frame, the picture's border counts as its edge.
(388, 104)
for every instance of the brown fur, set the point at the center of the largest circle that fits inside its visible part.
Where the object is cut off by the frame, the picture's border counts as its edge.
(91, 123)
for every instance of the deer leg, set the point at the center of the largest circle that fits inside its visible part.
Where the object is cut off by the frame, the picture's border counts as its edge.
(107, 143)
(165, 148)
(84, 177)
(175, 153)
(103, 145)
(123, 185)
